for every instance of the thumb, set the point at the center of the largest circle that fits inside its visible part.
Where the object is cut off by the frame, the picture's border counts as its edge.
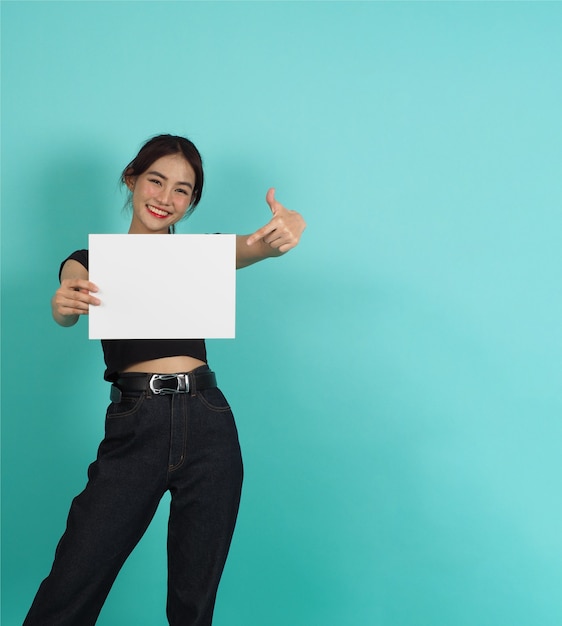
(270, 199)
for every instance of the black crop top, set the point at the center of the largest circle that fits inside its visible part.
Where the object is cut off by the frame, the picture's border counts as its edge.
(121, 353)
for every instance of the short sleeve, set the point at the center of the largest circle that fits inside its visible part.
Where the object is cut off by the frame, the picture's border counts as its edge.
(79, 255)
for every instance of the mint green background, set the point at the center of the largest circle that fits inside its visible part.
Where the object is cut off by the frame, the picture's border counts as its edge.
(396, 379)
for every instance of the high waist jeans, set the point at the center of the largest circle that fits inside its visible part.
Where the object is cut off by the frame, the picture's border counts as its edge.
(184, 443)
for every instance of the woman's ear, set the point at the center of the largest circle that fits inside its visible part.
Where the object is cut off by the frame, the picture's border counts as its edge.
(130, 182)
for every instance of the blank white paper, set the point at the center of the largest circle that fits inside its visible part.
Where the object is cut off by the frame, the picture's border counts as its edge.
(163, 286)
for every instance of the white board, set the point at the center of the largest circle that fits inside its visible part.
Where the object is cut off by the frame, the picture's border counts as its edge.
(163, 286)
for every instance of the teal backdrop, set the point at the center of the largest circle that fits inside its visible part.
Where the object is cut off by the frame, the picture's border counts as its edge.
(396, 379)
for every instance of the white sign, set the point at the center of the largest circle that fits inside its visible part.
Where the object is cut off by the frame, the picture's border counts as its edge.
(163, 286)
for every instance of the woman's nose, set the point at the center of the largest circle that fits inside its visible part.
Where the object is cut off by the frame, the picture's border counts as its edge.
(164, 195)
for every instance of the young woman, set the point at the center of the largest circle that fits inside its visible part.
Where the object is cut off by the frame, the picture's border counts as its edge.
(168, 426)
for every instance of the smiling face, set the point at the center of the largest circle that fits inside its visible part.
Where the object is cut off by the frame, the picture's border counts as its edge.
(161, 195)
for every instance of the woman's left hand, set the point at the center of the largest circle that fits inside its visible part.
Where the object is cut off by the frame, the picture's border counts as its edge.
(283, 231)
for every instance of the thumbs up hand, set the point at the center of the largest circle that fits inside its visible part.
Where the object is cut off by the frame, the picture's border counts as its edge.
(283, 231)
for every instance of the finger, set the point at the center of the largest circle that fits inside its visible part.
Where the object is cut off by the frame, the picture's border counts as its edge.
(71, 308)
(74, 297)
(72, 311)
(91, 299)
(82, 295)
(260, 233)
(275, 238)
(72, 286)
(79, 283)
(270, 199)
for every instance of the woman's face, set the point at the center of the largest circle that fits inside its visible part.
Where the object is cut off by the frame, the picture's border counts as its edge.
(161, 195)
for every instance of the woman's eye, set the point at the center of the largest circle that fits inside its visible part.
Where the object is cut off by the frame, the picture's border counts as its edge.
(154, 180)
(184, 191)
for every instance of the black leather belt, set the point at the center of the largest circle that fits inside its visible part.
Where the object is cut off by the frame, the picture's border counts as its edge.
(201, 378)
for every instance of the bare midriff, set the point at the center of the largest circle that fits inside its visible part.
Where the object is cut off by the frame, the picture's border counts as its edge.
(166, 365)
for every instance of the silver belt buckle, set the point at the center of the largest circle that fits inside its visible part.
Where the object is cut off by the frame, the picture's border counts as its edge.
(182, 381)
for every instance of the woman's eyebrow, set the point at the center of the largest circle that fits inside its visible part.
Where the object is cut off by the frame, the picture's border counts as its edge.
(155, 173)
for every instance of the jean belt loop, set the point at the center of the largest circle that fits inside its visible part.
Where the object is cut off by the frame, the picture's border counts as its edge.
(192, 383)
(115, 394)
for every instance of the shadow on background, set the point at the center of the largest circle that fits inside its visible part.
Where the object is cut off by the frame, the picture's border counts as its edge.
(51, 377)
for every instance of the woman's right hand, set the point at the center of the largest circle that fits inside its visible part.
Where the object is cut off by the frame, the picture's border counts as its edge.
(72, 299)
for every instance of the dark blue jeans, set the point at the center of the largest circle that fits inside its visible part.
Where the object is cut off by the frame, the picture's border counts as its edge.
(185, 443)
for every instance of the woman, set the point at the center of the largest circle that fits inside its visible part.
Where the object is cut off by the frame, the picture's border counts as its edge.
(168, 426)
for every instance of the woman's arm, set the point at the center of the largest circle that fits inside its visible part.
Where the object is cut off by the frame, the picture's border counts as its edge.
(73, 298)
(278, 236)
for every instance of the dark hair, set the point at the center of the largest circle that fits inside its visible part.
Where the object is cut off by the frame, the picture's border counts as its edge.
(165, 145)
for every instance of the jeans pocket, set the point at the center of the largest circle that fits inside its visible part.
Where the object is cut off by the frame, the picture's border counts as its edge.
(129, 405)
(213, 399)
